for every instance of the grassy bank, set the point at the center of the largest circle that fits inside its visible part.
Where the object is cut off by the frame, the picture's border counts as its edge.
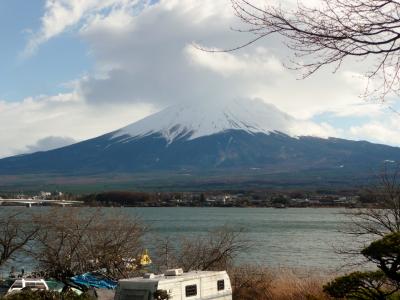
(259, 283)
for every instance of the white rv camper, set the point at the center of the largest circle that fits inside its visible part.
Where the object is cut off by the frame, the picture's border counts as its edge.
(198, 285)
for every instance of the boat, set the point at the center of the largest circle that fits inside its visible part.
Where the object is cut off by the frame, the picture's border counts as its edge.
(143, 260)
(280, 205)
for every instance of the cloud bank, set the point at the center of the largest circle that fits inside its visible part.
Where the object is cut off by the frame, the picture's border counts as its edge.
(49, 143)
(145, 60)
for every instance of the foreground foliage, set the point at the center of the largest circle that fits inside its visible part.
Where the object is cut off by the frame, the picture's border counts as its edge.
(377, 285)
(47, 295)
(15, 234)
(362, 285)
(74, 241)
(385, 253)
(260, 283)
(383, 225)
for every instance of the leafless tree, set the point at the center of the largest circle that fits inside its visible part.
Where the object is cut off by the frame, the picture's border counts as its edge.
(164, 257)
(372, 223)
(385, 218)
(215, 250)
(16, 234)
(330, 32)
(73, 241)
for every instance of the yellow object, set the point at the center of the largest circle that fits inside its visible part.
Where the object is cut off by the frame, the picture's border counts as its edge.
(145, 258)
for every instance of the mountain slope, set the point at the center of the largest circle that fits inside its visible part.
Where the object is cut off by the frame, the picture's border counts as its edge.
(207, 138)
(231, 149)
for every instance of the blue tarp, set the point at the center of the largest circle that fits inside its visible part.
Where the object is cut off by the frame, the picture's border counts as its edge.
(96, 280)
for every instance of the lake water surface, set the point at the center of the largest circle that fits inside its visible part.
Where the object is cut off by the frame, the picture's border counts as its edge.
(292, 237)
(303, 238)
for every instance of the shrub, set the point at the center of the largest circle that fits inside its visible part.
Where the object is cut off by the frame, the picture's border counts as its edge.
(260, 283)
(161, 295)
(46, 295)
(385, 252)
(361, 285)
(251, 283)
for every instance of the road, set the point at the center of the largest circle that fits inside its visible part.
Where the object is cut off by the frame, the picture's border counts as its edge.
(30, 201)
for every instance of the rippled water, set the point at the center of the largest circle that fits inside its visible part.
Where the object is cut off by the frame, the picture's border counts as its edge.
(293, 237)
(303, 238)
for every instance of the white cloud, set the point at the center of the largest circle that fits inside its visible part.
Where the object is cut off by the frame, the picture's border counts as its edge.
(259, 63)
(49, 143)
(152, 58)
(61, 15)
(24, 125)
(385, 131)
(145, 60)
(323, 130)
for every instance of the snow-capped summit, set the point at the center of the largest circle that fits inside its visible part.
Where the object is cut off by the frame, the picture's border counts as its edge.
(194, 120)
(228, 139)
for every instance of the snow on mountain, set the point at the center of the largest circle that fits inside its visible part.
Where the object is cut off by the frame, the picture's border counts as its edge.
(191, 121)
(215, 138)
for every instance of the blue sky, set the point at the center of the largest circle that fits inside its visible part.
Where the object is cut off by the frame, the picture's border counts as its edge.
(49, 68)
(74, 69)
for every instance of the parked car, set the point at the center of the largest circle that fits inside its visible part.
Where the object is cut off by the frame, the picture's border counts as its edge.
(32, 283)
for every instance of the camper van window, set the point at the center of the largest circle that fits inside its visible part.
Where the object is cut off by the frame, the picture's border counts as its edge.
(134, 295)
(220, 285)
(17, 285)
(40, 285)
(30, 284)
(191, 290)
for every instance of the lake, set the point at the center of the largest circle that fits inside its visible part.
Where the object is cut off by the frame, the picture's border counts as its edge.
(301, 238)
(292, 237)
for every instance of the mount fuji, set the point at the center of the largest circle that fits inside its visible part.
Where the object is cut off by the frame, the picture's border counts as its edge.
(221, 137)
(191, 121)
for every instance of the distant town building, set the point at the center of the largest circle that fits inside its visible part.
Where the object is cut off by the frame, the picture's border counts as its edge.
(44, 195)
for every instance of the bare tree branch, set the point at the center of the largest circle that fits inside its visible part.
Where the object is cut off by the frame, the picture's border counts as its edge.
(15, 235)
(213, 251)
(369, 224)
(73, 241)
(330, 33)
